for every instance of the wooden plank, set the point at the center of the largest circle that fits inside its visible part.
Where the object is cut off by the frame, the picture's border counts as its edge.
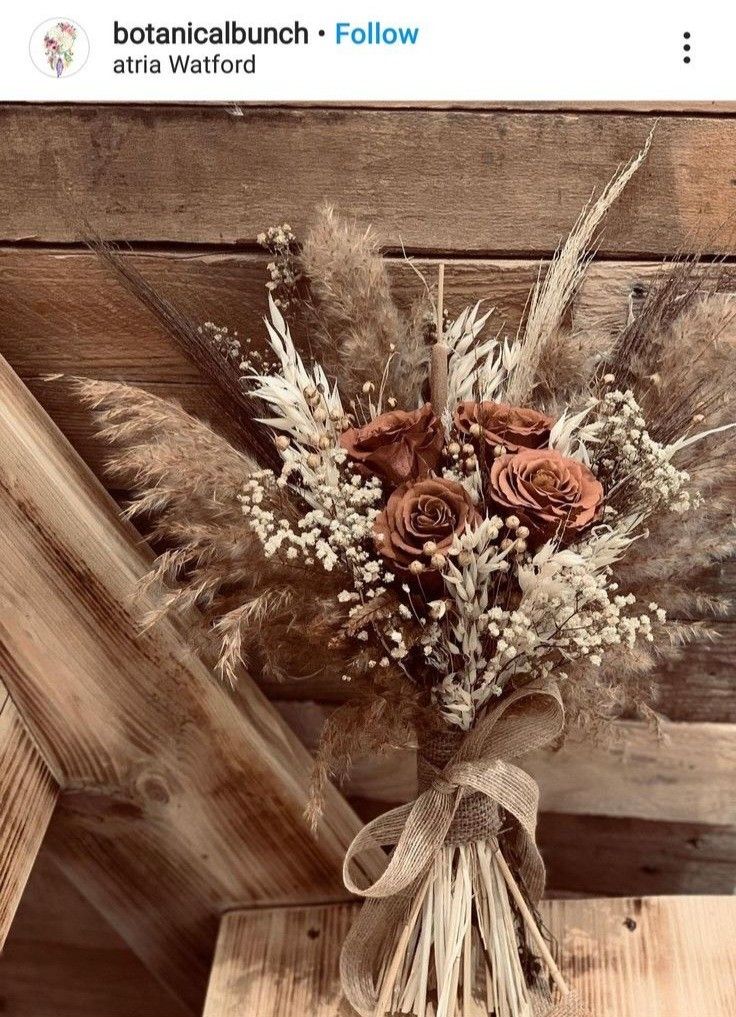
(279, 962)
(62, 959)
(623, 855)
(62, 312)
(685, 777)
(178, 802)
(698, 688)
(27, 797)
(602, 855)
(506, 181)
(659, 957)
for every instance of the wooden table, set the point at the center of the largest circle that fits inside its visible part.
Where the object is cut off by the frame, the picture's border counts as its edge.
(627, 957)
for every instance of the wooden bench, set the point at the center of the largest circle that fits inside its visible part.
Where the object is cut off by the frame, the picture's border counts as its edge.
(627, 957)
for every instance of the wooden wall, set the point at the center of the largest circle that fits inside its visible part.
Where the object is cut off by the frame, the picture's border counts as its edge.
(64, 960)
(491, 191)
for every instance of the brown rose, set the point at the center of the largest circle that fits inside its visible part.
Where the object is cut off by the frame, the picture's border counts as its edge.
(548, 492)
(514, 427)
(421, 519)
(397, 446)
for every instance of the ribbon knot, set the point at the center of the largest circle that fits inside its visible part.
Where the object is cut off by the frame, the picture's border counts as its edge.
(526, 719)
(444, 784)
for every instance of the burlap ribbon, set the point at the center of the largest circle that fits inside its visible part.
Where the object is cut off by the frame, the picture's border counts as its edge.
(523, 721)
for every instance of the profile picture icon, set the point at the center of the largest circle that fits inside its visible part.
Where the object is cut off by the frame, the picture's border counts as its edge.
(59, 47)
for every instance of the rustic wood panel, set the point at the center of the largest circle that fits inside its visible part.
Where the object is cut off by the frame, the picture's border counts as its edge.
(656, 957)
(27, 797)
(659, 957)
(687, 776)
(700, 687)
(62, 959)
(178, 802)
(506, 182)
(63, 313)
(622, 855)
(603, 855)
(279, 962)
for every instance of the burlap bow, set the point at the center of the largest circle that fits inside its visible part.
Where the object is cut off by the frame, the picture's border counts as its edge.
(523, 721)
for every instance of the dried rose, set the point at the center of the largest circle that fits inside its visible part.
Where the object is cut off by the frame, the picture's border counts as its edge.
(421, 519)
(397, 446)
(514, 427)
(552, 495)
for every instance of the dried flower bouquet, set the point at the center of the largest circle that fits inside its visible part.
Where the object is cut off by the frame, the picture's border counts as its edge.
(489, 540)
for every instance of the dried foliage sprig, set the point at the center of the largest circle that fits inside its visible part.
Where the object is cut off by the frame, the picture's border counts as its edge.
(553, 293)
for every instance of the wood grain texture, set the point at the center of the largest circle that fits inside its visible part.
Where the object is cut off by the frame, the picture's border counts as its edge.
(701, 687)
(63, 959)
(210, 177)
(28, 794)
(624, 855)
(63, 313)
(687, 776)
(279, 962)
(604, 855)
(178, 802)
(652, 957)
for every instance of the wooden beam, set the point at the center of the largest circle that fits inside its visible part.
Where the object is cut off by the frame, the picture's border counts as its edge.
(279, 962)
(97, 328)
(27, 798)
(659, 956)
(62, 959)
(686, 776)
(178, 802)
(623, 855)
(506, 182)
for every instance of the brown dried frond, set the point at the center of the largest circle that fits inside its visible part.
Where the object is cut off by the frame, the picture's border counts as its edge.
(683, 600)
(679, 546)
(350, 286)
(409, 371)
(372, 611)
(624, 684)
(683, 361)
(553, 293)
(240, 623)
(162, 450)
(186, 480)
(236, 411)
(381, 718)
(567, 361)
(635, 354)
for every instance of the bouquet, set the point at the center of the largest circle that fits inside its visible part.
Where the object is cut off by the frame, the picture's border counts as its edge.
(491, 539)
(59, 46)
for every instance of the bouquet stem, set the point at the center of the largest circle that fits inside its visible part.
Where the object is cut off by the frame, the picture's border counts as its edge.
(458, 953)
(449, 929)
